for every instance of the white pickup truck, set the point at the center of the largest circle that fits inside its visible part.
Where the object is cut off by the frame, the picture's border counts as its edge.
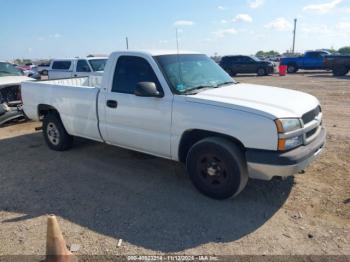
(75, 67)
(184, 107)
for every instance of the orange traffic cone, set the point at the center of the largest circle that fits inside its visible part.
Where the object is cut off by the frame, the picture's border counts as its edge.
(56, 249)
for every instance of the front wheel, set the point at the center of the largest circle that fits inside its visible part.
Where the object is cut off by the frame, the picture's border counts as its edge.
(217, 168)
(262, 72)
(55, 134)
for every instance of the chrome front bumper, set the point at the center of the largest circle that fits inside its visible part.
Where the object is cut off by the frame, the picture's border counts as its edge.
(265, 165)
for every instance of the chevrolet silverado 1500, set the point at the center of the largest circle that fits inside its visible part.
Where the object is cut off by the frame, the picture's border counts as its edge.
(76, 67)
(311, 60)
(186, 108)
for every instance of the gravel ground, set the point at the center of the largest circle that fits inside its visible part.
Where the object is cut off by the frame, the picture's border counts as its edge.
(102, 194)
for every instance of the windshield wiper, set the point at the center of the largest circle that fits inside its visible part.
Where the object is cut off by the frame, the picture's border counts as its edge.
(226, 83)
(191, 90)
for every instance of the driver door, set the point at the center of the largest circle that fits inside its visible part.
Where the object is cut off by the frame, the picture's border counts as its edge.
(139, 123)
(82, 69)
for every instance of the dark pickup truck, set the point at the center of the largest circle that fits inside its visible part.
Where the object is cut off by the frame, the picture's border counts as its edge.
(246, 65)
(340, 64)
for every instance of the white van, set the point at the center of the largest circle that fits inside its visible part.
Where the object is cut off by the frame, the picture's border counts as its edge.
(76, 67)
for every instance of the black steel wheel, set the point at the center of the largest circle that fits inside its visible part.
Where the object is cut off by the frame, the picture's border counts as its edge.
(217, 168)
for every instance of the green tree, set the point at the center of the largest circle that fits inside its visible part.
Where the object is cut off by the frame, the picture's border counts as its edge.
(268, 53)
(344, 50)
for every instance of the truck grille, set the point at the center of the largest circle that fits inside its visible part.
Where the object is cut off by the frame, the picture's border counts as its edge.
(312, 132)
(312, 120)
(311, 115)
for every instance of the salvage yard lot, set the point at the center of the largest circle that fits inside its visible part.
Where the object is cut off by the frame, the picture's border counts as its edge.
(102, 194)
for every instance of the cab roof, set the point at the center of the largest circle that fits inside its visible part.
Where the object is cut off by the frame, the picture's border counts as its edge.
(155, 52)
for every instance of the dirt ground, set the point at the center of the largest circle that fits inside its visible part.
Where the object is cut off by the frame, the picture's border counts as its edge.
(102, 194)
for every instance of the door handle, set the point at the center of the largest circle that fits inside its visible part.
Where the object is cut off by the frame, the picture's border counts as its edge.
(112, 103)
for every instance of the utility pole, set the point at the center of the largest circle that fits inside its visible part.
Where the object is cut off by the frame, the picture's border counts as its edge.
(127, 43)
(294, 34)
(177, 41)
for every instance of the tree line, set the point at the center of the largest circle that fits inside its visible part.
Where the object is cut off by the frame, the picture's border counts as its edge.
(272, 53)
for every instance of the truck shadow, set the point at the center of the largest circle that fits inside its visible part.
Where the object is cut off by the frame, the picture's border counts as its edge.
(312, 72)
(346, 77)
(147, 201)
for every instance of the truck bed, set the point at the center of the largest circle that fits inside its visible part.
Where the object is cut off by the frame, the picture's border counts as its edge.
(74, 98)
(91, 81)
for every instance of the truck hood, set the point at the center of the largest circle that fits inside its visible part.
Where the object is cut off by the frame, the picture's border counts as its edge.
(13, 80)
(268, 101)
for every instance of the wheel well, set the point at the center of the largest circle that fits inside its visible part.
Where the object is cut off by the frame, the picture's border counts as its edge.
(43, 110)
(191, 137)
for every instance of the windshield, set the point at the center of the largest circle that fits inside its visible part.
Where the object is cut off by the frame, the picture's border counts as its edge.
(6, 69)
(98, 64)
(255, 58)
(192, 72)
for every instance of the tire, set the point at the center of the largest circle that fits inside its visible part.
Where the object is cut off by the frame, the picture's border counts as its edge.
(233, 73)
(340, 71)
(55, 135)
(292, 69)
(230, 72)
(217, 168)
(262, 72)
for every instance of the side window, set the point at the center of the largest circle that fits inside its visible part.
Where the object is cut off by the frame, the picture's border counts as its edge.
(225, 60)
(82, 66)
(61, 65)
(314, 55)
(131, 70)
(234, 59)
(244, 59)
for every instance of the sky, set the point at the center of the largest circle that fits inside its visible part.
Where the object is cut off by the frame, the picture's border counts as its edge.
(69, 28)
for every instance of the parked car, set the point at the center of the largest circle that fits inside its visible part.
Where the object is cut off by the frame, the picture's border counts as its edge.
(311, 60)
(184, 107)
(340, 64)
(32, 73)
(10, 93)
(246, 64)
(76, 67)
(26, 67)
(43, 68)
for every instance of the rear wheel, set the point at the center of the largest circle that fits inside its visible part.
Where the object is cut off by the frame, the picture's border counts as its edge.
(217, 168)
(292, 69)
(340, 71)
(55, 134)
(231, 72)
(262, 72)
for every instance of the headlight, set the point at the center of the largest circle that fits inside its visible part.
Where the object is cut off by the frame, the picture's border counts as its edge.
(289, 143)
(287, 125)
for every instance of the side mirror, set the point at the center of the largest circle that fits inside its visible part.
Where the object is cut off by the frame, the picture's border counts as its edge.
(147, 89)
